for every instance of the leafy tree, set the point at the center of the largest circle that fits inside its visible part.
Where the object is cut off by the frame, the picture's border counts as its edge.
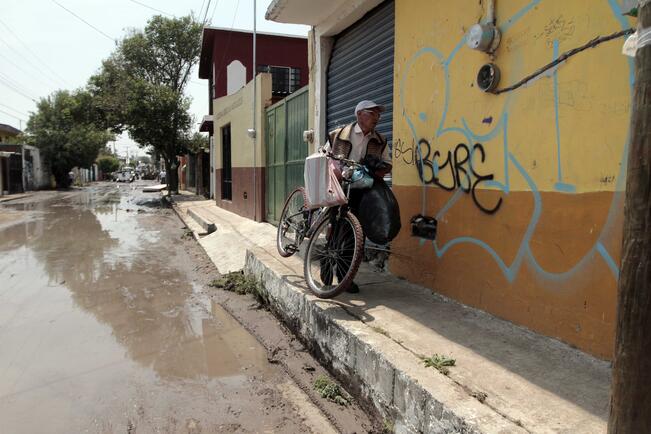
(108, 164)
(195, 142)
(140, 87)
(66, 128)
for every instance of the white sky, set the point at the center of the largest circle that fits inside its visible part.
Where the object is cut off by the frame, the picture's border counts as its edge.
(44, 48)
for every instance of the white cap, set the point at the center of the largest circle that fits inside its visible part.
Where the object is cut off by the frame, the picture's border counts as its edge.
(366, 105)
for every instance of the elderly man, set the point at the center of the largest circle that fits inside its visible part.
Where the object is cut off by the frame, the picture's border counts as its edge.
(360, 142)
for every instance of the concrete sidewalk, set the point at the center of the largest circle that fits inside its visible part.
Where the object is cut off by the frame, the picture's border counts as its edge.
(506, 379)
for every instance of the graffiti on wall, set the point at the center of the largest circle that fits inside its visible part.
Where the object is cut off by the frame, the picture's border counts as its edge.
(460, 170)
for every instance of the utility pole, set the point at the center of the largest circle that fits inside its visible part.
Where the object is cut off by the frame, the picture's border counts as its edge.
(630, 402)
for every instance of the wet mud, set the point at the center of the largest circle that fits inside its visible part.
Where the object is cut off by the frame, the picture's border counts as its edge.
(107, 325)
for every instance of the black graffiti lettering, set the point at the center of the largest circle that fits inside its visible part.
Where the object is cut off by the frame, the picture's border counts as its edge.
(423, 161)
(401, 151)
(458, 167)
(448, 163)
(481, 178)
(462, 170)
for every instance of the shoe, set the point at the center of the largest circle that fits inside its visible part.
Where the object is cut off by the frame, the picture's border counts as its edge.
(353, 288)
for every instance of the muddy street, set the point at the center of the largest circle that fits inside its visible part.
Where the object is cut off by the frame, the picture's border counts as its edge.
(107, 325)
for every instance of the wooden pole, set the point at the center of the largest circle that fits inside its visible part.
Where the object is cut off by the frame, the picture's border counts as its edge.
(630, 410)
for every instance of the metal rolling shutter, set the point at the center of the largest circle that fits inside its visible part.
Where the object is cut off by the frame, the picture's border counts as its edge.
(361, 67)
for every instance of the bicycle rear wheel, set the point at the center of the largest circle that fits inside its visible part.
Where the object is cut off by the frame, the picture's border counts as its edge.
(333, 255)
(292, 224)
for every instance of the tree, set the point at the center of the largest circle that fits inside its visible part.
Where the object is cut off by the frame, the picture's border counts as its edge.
(67, 129)
(631, 391)
(140, 87)
(108, 164)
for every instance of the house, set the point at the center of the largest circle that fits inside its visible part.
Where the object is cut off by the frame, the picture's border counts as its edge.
(525, 176)
(237, 120)
(22, 169)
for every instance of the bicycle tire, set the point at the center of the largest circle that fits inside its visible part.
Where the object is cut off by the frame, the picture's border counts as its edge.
(283, 244)
(328, 290)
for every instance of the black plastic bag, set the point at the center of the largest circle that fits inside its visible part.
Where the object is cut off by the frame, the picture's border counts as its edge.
(379, 213)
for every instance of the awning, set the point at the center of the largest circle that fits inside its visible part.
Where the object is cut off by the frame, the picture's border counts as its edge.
(206, 124)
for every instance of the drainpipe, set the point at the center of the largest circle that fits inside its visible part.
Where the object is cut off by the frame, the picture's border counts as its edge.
(255, 184)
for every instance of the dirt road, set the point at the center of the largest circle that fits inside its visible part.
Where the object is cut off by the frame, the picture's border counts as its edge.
(107, 324)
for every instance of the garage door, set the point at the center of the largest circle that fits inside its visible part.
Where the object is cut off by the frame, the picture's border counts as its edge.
(361, 67)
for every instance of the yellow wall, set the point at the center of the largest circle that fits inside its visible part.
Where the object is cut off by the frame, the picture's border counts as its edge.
(237, 110)
(539, 242)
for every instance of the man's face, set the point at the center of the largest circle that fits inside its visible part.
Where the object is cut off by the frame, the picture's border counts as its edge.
(367, 119)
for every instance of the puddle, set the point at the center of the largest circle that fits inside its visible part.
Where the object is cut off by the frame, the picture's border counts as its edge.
(97, 306)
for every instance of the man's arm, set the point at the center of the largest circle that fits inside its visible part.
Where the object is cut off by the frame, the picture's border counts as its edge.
(386, 165)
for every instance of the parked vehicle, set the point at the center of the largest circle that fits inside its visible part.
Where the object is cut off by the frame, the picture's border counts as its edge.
(126, 176)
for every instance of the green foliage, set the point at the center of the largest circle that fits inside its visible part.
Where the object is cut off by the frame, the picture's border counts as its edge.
(195, 142)
(439, 362)
(108, 164)
(67, 129)
(241, 283)
(140, 86)
(331, 391)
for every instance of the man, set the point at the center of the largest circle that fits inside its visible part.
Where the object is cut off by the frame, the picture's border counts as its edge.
(360, 142)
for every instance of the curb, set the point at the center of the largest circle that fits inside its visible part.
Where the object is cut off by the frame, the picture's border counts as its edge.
(374, 367)
(207, 226)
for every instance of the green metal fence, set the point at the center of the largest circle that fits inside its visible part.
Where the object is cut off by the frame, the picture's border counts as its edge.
(286, 150)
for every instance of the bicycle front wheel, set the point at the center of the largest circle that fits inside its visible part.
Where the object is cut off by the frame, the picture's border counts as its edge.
(333, 255)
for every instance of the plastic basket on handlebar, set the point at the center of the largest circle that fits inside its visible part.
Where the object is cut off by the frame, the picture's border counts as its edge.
(321, 185)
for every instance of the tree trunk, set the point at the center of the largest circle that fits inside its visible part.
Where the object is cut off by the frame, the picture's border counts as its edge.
(630, 410)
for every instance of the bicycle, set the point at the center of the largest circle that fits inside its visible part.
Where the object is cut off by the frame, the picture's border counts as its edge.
(336, 239)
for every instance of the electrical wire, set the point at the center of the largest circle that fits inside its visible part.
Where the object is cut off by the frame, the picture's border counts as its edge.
(15, 117)
(11, 108)
(16, 84)
(213, 11)
(592, 43)
(29, 62)
(17, 90)
(84, 21)
(205, 15)
(150, 7)
(38, 59)
(7, 59)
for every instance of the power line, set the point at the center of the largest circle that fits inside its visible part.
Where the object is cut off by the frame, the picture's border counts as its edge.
(152, 8)
(213, 12)
(205, 15)
(23, 70)
(228, 42)
(11, 108)
(15, 84)
(15, 117)
(201, 8)
(83, 20)
(34, 55)
(17, 90)
(32, 64)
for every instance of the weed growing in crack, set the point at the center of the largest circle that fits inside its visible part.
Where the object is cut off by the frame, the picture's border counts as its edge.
(240, 283)
(439, 362)
(331, 391)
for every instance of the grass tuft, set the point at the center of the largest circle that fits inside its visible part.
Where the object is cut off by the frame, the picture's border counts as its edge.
(331, 391)
(439, 362)
(241, 283)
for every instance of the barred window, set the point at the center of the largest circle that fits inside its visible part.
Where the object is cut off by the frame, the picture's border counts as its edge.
(284, 80)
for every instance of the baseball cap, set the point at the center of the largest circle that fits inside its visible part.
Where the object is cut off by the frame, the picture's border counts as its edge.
(367, 104)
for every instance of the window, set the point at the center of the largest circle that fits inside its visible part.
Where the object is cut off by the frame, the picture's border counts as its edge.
(284, 80)
(227, 171)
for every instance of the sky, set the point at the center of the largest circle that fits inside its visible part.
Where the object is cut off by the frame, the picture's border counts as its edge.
(47, 45)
